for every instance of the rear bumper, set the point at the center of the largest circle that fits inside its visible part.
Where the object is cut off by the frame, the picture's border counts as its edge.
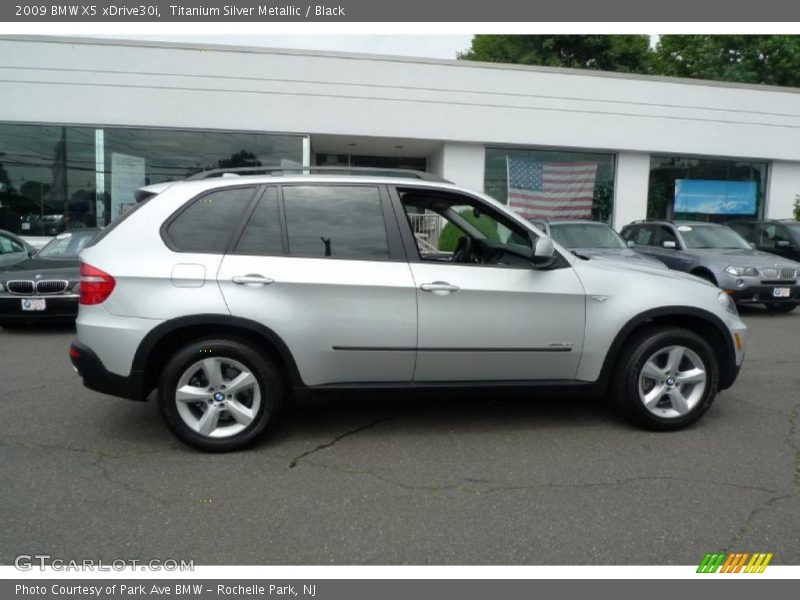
(56, 308)
(96, 377)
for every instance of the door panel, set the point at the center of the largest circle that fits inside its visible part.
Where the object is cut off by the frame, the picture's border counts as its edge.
(343, 320)
(501, 324)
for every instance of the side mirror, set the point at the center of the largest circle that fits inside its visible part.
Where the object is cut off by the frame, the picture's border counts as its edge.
(782, 244)
(669, 244)
(630, 244)
(544, 253)
(31, 253)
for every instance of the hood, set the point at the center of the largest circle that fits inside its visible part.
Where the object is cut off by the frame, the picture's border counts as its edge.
(45, 267)
(620, 254)
(647, 267)
(744, 257)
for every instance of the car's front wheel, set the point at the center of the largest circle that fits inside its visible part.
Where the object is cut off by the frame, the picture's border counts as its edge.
(666, 378)
(219, 395)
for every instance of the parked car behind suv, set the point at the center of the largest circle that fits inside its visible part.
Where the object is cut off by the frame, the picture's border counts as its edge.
(13, 249)
(594, 239)
(44, 286)
(721, 256)
(776, 237)
(226, 294)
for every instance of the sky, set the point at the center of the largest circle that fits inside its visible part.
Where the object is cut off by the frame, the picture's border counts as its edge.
(428, 46)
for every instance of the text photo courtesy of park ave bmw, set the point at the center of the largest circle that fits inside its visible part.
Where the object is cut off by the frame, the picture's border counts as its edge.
(493, 300)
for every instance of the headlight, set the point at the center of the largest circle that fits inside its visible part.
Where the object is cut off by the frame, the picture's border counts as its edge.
(75, 289)
(727, 302)
(742, 271)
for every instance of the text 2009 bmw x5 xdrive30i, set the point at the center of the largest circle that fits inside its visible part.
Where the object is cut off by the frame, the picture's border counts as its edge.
(225, 293)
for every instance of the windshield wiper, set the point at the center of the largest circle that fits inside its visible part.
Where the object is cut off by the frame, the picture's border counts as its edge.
(579, 255)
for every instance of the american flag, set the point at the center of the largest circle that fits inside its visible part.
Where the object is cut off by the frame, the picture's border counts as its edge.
(560, 190)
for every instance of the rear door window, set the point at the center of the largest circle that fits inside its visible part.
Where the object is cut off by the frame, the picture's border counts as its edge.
(335, 221)
(209, 222)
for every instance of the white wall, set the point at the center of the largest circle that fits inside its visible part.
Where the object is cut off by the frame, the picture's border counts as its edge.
(783, 189)
(630, 188)
(157, 84)
(463, 164)
(152, 84)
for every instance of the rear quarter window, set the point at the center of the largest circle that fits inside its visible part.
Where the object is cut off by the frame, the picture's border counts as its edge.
(207, 224)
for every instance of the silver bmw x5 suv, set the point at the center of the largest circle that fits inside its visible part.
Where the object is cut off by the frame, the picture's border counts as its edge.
(226, 293)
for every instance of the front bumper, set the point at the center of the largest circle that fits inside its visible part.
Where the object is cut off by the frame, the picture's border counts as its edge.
(96, 377)
(57, 307)
(764, 293)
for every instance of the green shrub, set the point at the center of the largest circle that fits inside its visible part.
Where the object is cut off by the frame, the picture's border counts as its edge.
(448, 239)
(797, 208)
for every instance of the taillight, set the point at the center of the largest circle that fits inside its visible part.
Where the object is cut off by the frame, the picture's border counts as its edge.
(96, 285)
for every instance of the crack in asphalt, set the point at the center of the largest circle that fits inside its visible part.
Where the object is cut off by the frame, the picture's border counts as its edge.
(502, 487)
(338, 438)
(767, 504)
(777, 411)
(97, 460)
(745, 527)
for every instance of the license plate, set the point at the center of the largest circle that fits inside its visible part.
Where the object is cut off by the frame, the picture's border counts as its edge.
(34, 304)
(781, 292)
(26, 226)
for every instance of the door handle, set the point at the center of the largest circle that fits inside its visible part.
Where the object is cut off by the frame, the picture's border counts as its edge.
(251, 279)
(440, 288)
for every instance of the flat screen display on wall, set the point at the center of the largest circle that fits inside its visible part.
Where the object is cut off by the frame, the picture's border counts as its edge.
(715, 197)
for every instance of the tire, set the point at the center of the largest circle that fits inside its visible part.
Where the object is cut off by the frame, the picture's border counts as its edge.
(781, 307)
(206, 372)
(649, 352)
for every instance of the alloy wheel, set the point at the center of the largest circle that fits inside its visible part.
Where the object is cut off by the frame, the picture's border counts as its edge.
(218, 397)
(672, 382)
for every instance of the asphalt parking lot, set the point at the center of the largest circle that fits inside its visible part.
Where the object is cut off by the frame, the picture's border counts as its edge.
(402, 480)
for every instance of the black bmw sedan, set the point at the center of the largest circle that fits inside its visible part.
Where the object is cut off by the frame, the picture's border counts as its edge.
(47, 285)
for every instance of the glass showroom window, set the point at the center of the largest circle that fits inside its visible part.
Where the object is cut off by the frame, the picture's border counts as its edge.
(54, 178)
(552, 184)
(705, 189)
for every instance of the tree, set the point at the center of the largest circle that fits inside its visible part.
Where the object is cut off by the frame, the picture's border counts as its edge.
(760, 59)
(622, 53)
(766, 59)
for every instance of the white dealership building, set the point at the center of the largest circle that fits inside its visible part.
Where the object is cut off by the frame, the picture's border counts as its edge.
(82, 121)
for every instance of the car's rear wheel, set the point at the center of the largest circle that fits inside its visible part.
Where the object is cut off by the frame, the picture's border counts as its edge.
(219, 395)
(781, 307)
(666, 378)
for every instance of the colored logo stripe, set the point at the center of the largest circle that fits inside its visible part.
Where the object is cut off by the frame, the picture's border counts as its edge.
(734, 562)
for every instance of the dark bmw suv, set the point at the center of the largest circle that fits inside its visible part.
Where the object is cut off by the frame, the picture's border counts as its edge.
(776, 237)
(721, 256)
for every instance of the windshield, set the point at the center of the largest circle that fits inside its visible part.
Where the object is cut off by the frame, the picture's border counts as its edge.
(66, 246)
(712, 236)
(586, 235)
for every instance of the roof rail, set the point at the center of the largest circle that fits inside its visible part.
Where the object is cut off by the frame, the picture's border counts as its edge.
(277, 171)
(640, 221)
